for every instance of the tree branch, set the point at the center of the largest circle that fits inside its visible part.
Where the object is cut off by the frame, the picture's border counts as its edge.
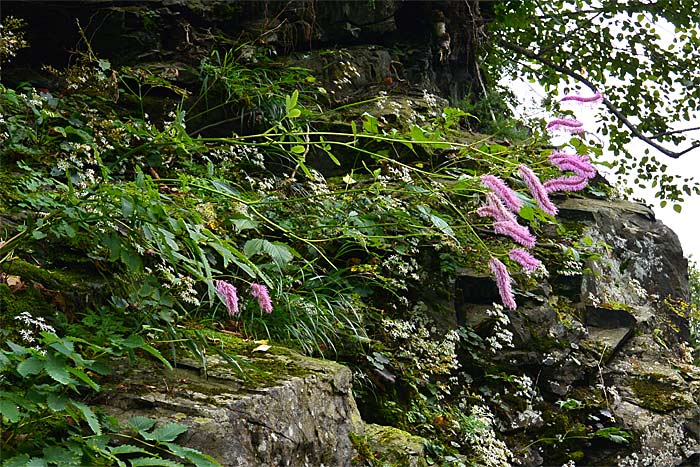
(611, 107)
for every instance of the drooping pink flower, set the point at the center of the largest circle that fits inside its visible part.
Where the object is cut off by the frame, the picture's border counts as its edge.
(575, 183)
(495, 208)
(229, 295)
(580, 165)
(594, 99)
(260, 292)
(503, 191)
(503, 281)
(537, 190)
(570, 125)
(524, 259)
(515, 231)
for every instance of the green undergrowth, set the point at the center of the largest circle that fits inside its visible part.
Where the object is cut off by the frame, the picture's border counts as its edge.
(119, 225)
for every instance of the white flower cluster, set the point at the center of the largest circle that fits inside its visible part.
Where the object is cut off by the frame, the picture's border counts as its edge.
(638, 289)
(33, 324)
(571, 267)
(181, 285)
(491, 451)
(419, 343)
(501, 337)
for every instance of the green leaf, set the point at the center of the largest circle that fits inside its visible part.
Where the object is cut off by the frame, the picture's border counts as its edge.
(134, 341)
(89, 416)
(56, 368)
(80, 374)
(131, 259)
(17, 461)
(17, 349)
(297, 149)
(279, 252)
(36, 462)
(151, 461)
(126, 449)
(140, 423)
(294, 113)
(154, 352)
(56, 402)
(59, 455)
(167, 432)
(192, 455)
(31, 366)
(678, 208)
(527, 213)
(9, 410)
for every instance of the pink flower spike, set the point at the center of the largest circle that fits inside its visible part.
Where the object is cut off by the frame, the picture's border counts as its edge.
(503, 191)
(537, 189)
(515, 231)
(495, 208)
(525, 259)
(228, 294)
(575, 183)
(574, 163)
(596, 98)
(503, 281)
(260, 292)
(565, 124)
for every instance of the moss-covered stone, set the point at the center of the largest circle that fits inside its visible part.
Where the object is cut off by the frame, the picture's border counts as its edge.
(655, 392)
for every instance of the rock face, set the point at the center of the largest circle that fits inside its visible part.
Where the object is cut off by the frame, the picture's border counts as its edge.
(607, 334)
(301, 420)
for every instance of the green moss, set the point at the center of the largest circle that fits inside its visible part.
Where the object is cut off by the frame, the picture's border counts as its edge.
(260, 369)
(654, 393)
(13, 303)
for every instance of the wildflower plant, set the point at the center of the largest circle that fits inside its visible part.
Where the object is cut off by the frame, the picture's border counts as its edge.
(502, 195)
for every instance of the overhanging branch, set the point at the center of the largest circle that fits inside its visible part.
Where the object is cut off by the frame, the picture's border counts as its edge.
(614, 110)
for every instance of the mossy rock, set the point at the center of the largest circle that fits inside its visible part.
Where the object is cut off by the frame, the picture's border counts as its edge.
(655, 392)
(394, 447)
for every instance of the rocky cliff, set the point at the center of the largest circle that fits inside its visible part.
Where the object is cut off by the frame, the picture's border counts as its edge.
(593, 367)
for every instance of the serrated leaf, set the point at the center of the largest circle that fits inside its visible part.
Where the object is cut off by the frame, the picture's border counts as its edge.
(140, 423)
(89, 416)
(17, 461)
(280, 253)
(80, 374)
(9, 410)
(56, 402)
(36, 462)
(59, 455)
(167, 432)
(31, 366)
(127, 449)
(153, 461)
(56, 368)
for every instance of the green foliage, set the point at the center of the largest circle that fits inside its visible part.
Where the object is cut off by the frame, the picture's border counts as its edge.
(651, 50)
(43, 407)
(337, 221)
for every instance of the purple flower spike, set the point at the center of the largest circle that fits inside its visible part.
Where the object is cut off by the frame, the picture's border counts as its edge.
(503, 191)
(575, 183)
(596, 98)
(495, 208)
(525, 259)
(580, 165)
(228, 295)
(515, 231)
(503, 281)
(537, 189)
(260, 292)
(570, 125)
